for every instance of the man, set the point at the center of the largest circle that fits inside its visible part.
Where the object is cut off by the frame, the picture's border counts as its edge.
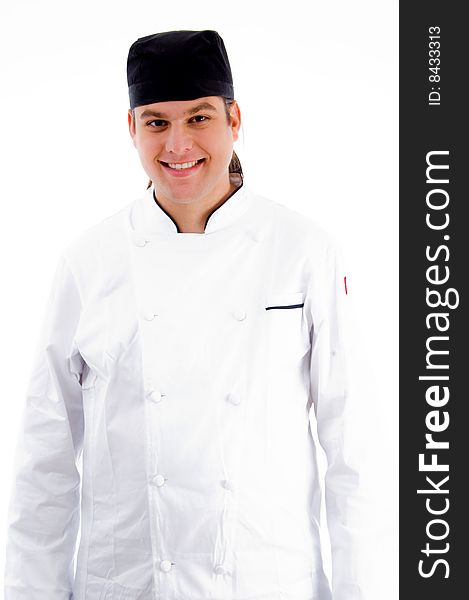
(192, 341)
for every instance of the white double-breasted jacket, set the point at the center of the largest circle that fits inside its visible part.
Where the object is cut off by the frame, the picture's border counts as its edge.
(169, 414)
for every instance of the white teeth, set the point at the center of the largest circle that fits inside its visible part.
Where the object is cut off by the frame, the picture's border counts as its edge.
(186, 165)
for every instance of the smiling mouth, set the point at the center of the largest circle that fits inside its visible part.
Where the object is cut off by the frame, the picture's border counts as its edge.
(182, 166)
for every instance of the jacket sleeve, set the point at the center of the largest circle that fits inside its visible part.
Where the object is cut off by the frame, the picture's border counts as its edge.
(43, 514)
(344, 416)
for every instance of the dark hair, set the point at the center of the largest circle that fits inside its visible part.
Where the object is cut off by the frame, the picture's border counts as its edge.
(235, 164)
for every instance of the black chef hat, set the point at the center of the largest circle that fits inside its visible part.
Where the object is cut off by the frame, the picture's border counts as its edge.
(178, 65)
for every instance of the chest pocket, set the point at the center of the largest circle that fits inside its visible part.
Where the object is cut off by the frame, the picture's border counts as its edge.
(288, 335)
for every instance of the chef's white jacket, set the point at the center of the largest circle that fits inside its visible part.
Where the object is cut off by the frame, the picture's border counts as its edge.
(169, 414)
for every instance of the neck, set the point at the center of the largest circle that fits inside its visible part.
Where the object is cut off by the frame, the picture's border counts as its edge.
(192, 217)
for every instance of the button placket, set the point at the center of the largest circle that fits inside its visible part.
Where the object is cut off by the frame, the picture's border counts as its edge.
(235, 415)
(235, 398)
(149, 314)
(224, 556)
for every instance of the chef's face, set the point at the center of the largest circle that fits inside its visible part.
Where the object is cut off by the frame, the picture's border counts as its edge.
(168, 135)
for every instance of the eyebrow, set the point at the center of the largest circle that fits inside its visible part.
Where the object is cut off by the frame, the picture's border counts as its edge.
(202, 106)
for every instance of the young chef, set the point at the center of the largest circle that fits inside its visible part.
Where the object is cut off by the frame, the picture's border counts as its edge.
(193, 342)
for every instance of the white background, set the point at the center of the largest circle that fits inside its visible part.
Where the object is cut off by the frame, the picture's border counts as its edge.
(318, 91)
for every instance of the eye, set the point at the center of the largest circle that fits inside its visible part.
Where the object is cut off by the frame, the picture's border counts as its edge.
(157, 123)
(201, 118)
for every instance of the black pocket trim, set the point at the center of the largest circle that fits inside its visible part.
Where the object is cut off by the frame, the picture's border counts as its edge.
(285, 306)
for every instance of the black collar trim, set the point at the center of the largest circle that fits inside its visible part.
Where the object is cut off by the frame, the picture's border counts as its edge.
(210, 214)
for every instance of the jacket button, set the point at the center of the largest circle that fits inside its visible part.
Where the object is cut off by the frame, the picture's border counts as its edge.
(220, 570)
(227, 485)
(233, 398)
(239, 315)
(139, 240)
(166, 565)
(158, 480)
(258, 236)
(156, 395)
(149, 315)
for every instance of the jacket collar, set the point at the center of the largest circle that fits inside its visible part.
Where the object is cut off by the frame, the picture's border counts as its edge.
(150, 217)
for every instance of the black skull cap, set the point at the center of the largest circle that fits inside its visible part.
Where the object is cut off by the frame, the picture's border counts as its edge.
(178, 65)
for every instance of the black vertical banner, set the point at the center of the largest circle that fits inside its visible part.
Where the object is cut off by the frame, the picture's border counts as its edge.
(434, 253)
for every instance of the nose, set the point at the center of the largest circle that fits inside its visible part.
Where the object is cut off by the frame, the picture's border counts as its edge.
(178, 140)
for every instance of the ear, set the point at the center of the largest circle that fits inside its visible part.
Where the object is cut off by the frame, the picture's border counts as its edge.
(131, 123)
(235, 120)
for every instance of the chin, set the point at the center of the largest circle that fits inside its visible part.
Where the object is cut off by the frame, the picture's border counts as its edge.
(182, 195)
